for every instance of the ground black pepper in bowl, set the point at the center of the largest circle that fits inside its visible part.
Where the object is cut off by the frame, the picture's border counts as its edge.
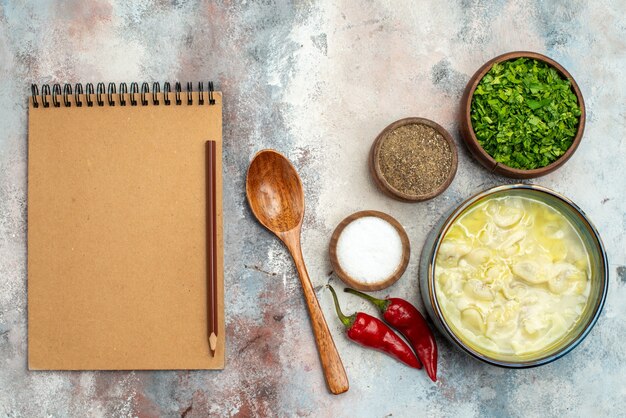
(413, 159)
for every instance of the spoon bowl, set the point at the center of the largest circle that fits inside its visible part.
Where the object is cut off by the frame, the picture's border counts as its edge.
(274, 192)
(276, 198)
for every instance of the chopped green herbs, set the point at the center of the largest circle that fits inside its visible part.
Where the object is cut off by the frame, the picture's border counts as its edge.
(524, 113)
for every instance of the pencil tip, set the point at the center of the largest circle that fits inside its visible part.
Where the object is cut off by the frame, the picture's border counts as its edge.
(213, 343)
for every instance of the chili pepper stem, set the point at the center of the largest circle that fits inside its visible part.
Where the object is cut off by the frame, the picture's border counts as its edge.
(380, 303)
(347, 321)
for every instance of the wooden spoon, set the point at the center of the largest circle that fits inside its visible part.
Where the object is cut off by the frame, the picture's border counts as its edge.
(276, 198)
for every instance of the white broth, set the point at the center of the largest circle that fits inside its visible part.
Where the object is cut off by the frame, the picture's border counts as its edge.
(512, 275)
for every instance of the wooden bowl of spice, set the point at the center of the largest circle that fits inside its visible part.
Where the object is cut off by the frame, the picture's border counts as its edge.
(413, 159)
(369, 250)
(522, 115)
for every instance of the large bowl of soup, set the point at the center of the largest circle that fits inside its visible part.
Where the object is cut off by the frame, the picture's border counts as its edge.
(515, 276)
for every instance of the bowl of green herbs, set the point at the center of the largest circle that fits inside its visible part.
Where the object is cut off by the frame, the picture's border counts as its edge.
(523, 115)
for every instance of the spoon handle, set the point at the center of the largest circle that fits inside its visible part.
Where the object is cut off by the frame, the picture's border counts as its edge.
(335, 374)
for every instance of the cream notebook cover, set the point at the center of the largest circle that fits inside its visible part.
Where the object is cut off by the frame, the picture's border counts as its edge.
(117, 229)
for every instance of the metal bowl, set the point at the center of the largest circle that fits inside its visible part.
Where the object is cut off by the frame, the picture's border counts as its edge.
(599, 276)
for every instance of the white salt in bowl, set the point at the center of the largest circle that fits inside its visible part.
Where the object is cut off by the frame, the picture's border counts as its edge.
(369, 250)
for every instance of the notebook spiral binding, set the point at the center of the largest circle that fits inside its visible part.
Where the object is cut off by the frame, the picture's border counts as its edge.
(106, 94)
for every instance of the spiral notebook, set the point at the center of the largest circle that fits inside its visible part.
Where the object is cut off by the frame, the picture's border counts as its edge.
(117, 264)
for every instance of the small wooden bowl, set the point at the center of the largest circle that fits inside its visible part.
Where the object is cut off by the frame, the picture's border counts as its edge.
(385, 186)
(469, 137)
(350, 281)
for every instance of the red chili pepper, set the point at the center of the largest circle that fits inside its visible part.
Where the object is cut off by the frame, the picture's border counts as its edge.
(373, 333)
(405, 318)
